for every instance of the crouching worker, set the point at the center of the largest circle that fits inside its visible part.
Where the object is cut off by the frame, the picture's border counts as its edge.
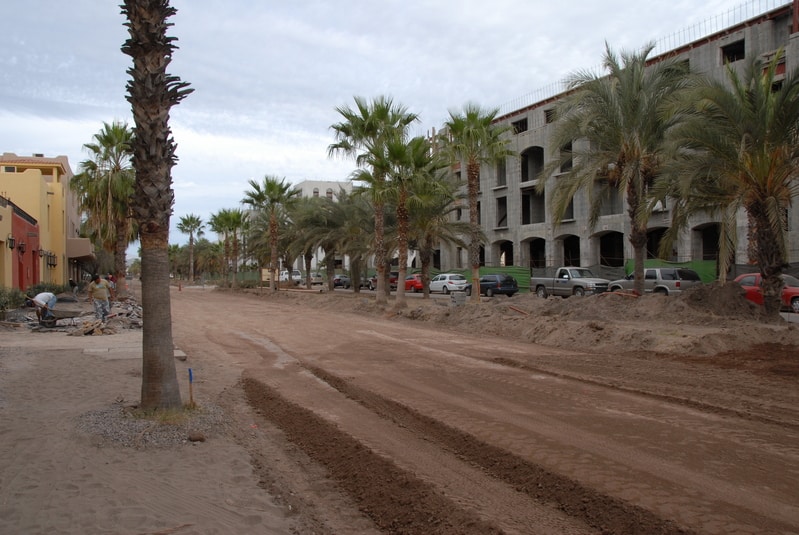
(99, 293)
(44, 302)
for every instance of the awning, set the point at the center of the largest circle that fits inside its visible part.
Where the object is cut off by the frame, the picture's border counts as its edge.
(80, 249)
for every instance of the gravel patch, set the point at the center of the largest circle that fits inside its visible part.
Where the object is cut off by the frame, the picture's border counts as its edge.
(119, 426)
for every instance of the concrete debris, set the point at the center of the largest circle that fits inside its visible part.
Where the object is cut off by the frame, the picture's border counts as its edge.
(78, 319)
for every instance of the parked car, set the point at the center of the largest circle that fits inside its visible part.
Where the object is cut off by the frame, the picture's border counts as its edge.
(496, 283)
(341, 281)
(317, 278)
(569, 281)
(413, 283)
(752, 283)
(295, 276)
(665, 281)
(448, 282)
(392, 281)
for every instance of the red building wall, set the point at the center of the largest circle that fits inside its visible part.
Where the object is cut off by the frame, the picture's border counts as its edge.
(25, 263)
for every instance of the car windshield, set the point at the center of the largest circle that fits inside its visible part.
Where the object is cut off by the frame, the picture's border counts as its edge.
(793, 282)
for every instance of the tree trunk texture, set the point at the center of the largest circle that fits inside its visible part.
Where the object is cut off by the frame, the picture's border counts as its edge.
(235, 283)
(152, 93)
(473, 188)
(637, 237)
(426, 259)
(191, 258)
(770, 257)
(160, 389)
(120, 257)
(402, 247)
(380, 254)
(273, 254)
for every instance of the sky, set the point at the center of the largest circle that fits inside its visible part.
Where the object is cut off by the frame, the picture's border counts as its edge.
(268, 75)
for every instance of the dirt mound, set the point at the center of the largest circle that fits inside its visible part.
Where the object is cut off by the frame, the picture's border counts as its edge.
(705, 320)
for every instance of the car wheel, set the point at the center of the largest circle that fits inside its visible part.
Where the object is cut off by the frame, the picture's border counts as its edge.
(615, 289)
(795, 304)
(347, 287)
(579, 292)
(541, 292)
(489, 292)
(662, 291)
(468, 291)
(446, 290)
(370, 286)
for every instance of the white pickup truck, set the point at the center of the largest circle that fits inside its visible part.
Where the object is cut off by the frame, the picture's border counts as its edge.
(569, 281)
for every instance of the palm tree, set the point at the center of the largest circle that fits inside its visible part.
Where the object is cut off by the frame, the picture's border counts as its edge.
(175, 252)
(431, 221)
(229, 222)
(210, 257)
(621, 119)
(361, 135)
(216, 224)
(410, 163)
(152, 93)
(104, 187)
(192, 225)
(273, 198)
(472, 137)
(356, 233)
(738, 148)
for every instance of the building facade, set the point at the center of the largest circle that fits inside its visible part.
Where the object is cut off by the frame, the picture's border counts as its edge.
(45, 223)
(517, 221)
(330, 190)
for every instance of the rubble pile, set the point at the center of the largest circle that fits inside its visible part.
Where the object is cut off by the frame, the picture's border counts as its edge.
(76, 318)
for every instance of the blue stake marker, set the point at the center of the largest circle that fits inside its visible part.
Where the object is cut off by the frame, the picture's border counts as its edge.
(191, 378)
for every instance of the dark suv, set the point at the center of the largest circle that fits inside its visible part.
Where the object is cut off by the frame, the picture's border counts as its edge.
(496, 283)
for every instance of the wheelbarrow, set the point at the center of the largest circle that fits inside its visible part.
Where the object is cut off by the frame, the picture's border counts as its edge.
(59, 314)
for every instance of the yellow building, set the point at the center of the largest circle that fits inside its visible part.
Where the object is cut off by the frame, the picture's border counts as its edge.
(40, 186)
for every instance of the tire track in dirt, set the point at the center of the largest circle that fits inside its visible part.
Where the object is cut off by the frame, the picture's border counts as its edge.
(785, 417)
(396, 501)
(604, 513)
(595, 436)
(467, 490)
(339, 452)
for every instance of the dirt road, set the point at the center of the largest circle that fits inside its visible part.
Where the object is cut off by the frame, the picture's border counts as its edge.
(374, 424)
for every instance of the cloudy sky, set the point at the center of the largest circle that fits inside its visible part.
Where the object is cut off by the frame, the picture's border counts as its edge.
(268, 75)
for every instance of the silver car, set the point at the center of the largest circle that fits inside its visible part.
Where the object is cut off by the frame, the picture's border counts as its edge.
(667, 281)
(448, 282)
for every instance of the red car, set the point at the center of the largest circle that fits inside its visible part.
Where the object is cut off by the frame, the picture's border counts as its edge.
(392, 281)
(751, 283)
(413, 283)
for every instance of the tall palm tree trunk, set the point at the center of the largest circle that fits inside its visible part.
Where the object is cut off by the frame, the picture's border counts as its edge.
(120, 254)
(426, 259)
(402, 246)
(380, 253)
(770, 258)
(152, 93)
(637, 237)
(273, 251)
(235, 261)
(160, 389)
(191, 258)
(473, 187)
